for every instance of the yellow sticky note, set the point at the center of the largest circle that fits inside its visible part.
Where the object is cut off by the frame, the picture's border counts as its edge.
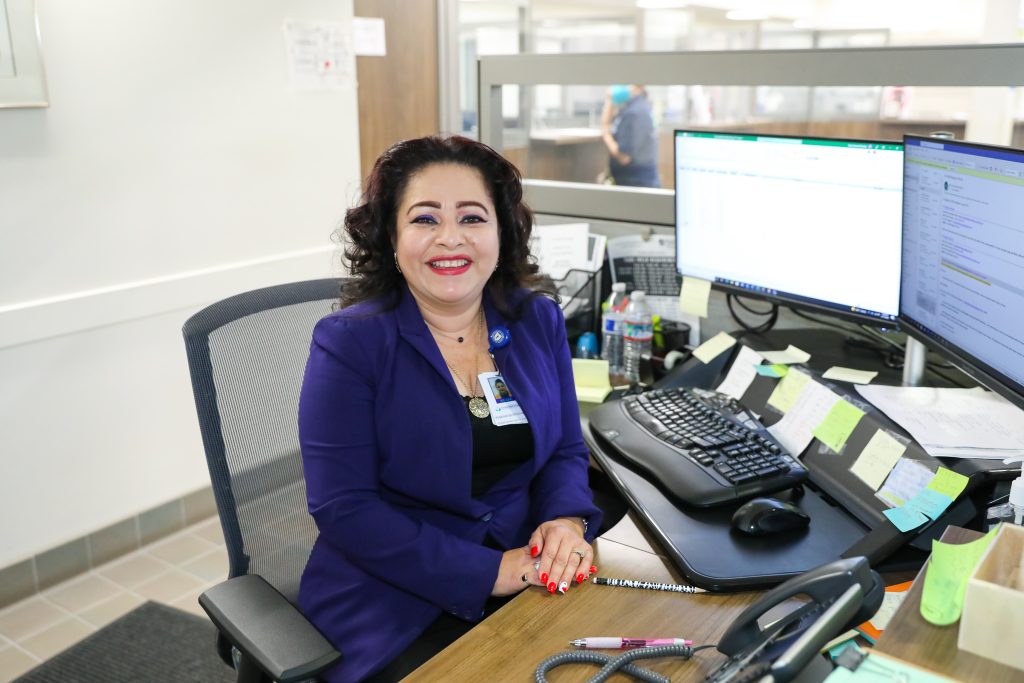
(850, 375)
(713, 348)
(950, 566)
(693, 296)
(787, 390)
(948, 482)
(838, 424)
(591, 379)
(877, 459)
(792, 355)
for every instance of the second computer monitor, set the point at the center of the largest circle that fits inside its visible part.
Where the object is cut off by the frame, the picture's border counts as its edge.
(804, 221)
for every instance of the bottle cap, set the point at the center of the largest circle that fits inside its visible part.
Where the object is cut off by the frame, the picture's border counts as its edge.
(619, 287)
(638, 295)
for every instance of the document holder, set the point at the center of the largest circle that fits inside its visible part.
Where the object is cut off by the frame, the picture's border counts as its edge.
(579, 293)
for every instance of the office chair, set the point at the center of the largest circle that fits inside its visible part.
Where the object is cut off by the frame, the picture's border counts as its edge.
(246, 357)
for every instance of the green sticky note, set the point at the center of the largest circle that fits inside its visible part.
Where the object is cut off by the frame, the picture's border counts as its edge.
(787, 390)
(838, 424)
(950, 566)
(777, 370)
(948, 482)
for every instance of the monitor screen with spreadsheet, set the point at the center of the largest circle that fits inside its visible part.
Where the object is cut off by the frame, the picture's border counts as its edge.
(962, 290)
(808, 222)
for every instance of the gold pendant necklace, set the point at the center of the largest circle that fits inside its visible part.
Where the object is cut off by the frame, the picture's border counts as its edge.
(479, 407)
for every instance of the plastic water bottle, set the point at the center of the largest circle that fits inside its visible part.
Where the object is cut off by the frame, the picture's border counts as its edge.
(611, 328)
(637, 335)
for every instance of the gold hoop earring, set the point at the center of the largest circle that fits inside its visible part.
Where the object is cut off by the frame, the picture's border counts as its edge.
(397, 267)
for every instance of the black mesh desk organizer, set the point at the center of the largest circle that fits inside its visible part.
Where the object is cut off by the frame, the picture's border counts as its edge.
(846, 516)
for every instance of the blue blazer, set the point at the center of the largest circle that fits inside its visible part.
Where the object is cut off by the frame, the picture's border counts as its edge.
(387, 452)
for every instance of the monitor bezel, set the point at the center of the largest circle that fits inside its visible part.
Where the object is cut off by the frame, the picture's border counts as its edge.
(795, 301)
(973, 367)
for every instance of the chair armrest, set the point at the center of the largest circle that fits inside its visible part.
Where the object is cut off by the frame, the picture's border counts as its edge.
(267, 629)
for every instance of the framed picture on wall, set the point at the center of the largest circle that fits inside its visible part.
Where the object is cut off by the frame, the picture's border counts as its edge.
(22, 79)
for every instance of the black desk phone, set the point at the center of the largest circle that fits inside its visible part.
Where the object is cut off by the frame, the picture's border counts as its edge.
(842, 594)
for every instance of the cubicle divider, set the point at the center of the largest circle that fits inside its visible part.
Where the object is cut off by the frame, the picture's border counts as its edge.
(954, 65)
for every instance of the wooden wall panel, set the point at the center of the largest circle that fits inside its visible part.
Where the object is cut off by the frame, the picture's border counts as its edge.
(398, 93)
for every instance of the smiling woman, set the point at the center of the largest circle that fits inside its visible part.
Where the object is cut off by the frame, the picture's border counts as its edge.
(441, 443)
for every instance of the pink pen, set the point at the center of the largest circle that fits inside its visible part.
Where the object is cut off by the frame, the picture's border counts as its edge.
(625, 643)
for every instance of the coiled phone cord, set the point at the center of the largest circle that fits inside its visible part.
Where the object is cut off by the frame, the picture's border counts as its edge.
(612, 664)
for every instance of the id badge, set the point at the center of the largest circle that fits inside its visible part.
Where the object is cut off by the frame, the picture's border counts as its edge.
(504, 408)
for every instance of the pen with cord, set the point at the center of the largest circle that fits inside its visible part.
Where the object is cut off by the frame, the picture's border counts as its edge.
(649, 585)
(603, 643)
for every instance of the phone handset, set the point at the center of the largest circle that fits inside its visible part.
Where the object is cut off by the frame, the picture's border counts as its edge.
(842, 594)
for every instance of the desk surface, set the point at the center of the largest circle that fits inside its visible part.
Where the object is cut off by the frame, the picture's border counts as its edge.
(912, 639)
(510, 644)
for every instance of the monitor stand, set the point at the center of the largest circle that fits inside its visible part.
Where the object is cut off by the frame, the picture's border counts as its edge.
(914, 358)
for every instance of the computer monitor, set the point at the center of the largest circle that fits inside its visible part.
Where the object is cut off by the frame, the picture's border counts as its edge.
(962, 290)
(808, 222)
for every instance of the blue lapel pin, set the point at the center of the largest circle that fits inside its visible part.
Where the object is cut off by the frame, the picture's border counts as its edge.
(499, 338)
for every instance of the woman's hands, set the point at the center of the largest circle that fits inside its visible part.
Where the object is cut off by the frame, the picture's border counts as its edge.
(565, 558)
(515, 565)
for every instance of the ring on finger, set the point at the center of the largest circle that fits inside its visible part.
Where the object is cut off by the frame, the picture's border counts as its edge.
(580, 553)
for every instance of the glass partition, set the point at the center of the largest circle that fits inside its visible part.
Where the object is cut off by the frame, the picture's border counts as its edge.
(566, 128)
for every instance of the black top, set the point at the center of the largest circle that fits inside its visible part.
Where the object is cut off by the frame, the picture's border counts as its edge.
(496, 450)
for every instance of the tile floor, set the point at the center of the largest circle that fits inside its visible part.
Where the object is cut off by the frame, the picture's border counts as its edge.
(173, 570)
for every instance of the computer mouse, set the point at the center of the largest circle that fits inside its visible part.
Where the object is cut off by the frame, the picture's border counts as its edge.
(762, 516)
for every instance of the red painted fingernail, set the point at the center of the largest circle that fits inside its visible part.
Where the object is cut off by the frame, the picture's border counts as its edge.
(544, 577)
(534, 551)
(552, 587)
(593, 569)
(580, 578)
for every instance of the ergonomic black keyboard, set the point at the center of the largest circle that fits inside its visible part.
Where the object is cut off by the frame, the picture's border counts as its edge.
(696, 446)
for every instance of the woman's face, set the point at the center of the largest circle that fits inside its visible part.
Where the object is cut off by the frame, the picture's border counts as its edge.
(447, 236)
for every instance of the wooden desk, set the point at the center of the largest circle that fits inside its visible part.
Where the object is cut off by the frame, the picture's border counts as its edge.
(510, 644)
(912, 639)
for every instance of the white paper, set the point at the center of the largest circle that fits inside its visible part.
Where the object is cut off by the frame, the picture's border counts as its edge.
(891, 602)
(905, 481)
(741, 374)
(368, 37)
(650, 264)
(559, 248)
(319, 56)
(795, 429)
(953, 421)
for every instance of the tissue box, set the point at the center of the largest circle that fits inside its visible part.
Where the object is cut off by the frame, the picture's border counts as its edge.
(992, 624)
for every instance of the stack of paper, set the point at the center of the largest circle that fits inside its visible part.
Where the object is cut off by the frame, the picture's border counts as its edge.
(959, 423)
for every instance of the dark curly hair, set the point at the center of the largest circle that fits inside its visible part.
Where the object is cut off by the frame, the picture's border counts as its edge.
(369, 229)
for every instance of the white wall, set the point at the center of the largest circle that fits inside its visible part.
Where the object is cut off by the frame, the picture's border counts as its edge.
(173, 167)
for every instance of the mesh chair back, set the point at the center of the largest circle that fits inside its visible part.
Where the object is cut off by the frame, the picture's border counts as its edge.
(246, 356)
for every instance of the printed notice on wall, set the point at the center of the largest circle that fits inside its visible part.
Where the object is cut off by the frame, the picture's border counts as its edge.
(368, 37)
(319, 56)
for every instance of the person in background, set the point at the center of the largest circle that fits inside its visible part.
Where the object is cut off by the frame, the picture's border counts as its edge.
(430, 515)
(627, 128)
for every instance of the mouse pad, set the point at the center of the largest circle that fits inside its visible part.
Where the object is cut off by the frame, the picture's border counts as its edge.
(711, 554)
